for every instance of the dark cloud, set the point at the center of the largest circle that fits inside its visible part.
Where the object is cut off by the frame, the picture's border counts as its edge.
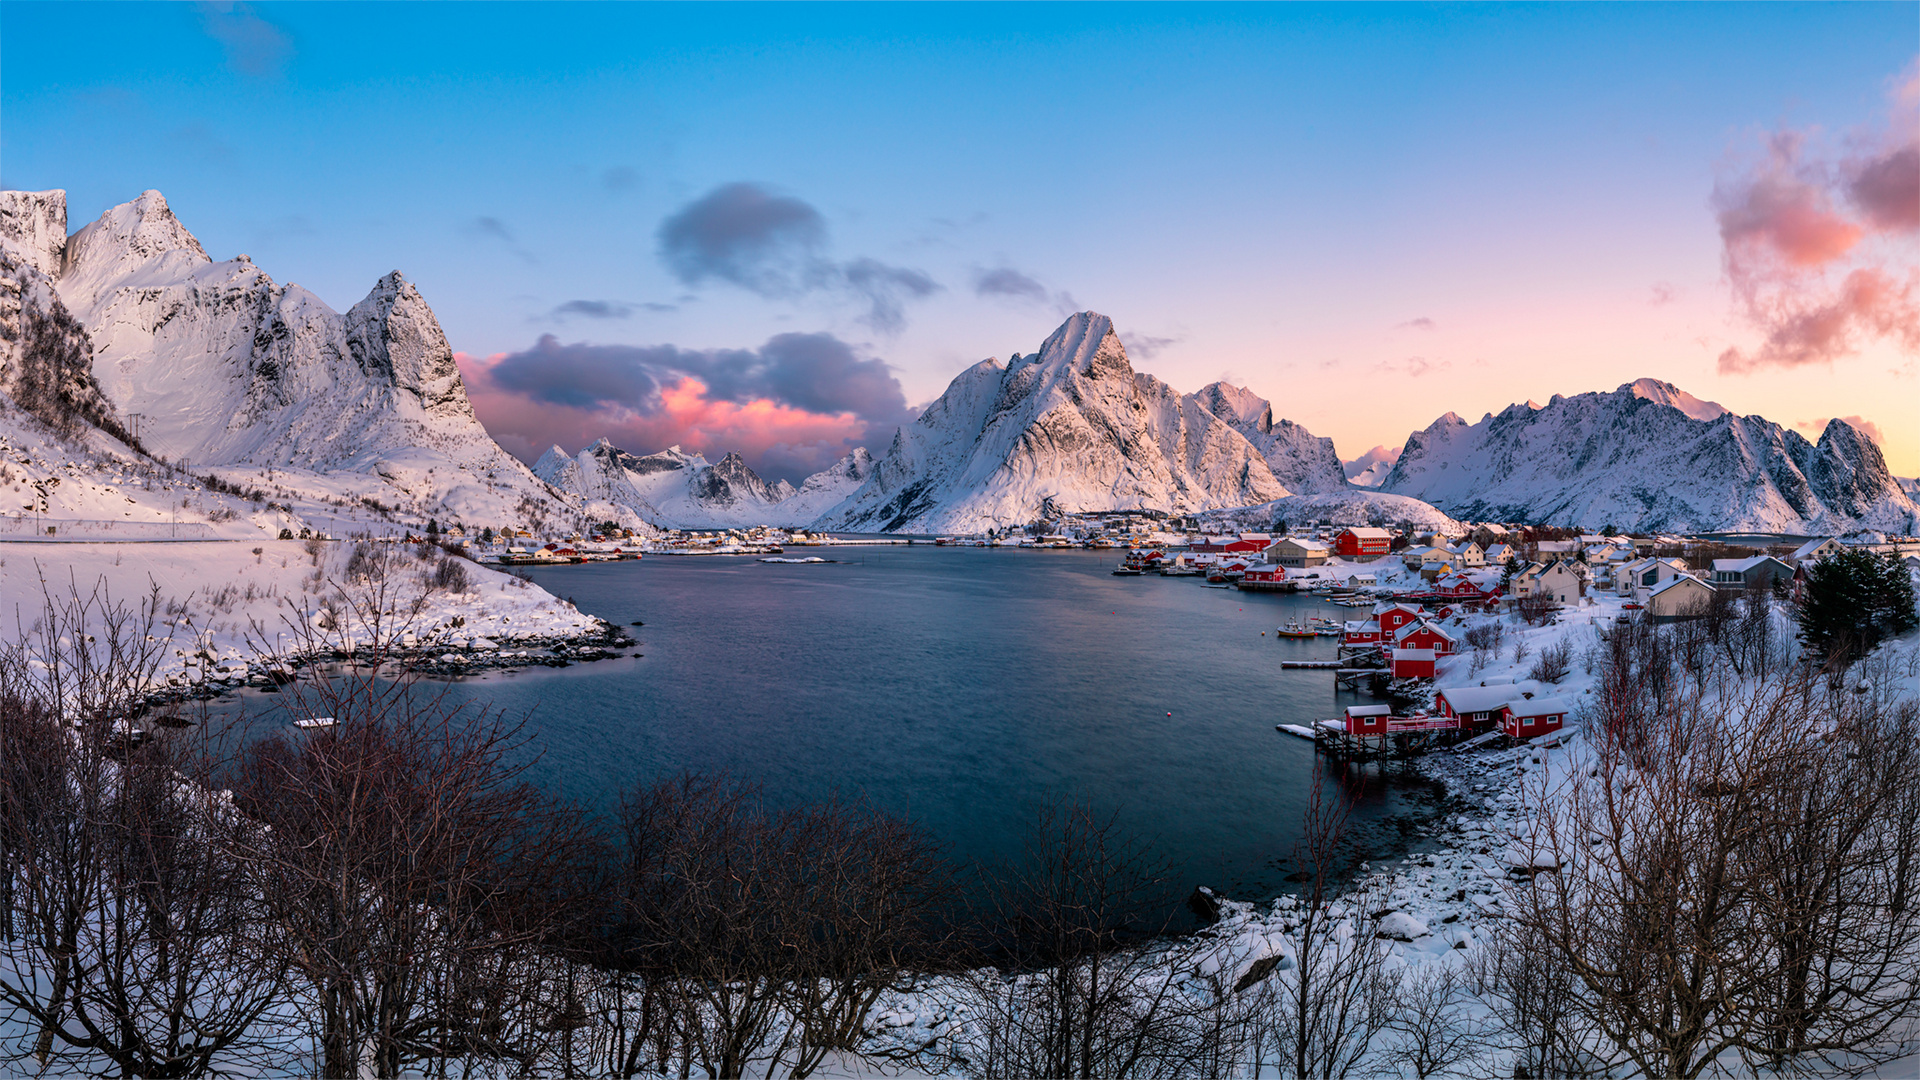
(1145, 346)
(1010, 283)
(886, 288)
(1887, 188)
(775, 245)
(490, 226)
(620, 178)
(817, 373)
(747, 235)
(253, 45)
(593, 309)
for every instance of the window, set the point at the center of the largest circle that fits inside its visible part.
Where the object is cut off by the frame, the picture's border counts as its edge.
(1526, 721)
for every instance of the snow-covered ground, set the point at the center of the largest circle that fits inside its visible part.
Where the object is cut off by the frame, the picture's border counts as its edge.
(234, 601)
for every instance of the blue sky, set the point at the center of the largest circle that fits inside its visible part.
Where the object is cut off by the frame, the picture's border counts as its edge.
(1369, 214)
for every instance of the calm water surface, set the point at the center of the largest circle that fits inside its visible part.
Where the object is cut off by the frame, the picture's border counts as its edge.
(959, 686)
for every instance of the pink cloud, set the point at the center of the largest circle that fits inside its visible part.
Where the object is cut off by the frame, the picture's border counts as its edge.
(1866, 427)
(777, 437)
(1820, 282)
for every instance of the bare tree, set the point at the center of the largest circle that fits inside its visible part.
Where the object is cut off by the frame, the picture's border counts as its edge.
(1738, 883)
(131, 935)
(1078, 988)
(1432, 1029)
(1327, 1010)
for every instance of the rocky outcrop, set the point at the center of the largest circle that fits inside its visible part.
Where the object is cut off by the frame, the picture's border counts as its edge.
(1302, 462)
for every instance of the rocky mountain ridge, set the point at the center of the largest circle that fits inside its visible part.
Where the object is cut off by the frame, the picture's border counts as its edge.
(215, 364)
(1648, 456)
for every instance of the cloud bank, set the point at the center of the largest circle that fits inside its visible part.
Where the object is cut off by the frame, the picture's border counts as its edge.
(791, 407)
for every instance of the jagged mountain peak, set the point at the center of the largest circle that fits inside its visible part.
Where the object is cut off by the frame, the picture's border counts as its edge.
(1665, 393)
(1085, 344)
(1237, 405)
(1638, 457)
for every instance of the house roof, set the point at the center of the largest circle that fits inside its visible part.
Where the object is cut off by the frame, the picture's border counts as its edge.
(1416, 627)
(1363, 533)
(1541, 706)
(1806, 550)
(1305, 545)
(1413, 654)
(1674, 582)
(1369, 710)
(1467, 699)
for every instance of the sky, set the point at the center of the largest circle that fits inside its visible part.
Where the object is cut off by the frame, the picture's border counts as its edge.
(783, 229)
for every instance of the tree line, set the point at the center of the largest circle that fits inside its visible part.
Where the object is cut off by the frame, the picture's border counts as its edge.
(1727, 876)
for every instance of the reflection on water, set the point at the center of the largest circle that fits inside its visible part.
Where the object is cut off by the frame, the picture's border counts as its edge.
(960, 686)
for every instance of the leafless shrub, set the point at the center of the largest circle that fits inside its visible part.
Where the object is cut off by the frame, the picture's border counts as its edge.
(1432, 1030)
(1520, 649)
(1553, 663)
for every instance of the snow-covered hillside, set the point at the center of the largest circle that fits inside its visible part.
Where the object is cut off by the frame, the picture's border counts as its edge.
(678, 490)
(1370, 468)
(1353, 506)
(1074, 428)
(1649, 456)
(215, 364)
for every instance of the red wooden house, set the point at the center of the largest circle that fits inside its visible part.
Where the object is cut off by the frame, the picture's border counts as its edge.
(1478, 707)
(1360, 632)
(1425, 635)
(1368, 719)
(1527, 718)
(1412, 663)
(1245, 542)
(1358, 543)
(1263, 576)
(1394, 616)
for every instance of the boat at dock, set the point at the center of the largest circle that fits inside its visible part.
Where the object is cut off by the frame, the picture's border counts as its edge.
(1295, 630)
(313, 723)
(1123, 570)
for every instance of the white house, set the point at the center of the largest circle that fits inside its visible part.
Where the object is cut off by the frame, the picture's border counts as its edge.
(1682, 597)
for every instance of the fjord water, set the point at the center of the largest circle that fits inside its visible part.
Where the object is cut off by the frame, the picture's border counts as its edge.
(961, 687)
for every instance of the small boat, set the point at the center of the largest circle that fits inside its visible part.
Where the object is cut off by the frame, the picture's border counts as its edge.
(1215, 585)
(1123, 570)
(1294, 630)
(313, 722)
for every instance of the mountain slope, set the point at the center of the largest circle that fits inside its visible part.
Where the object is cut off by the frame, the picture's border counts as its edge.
(1301, 462)
(217, 365)
(1648, 456)
(675, 489)
(1069, 428)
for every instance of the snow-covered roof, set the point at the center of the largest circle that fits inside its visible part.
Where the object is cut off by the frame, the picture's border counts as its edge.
(1415, 627)
(1299, 542)
(1364, 533)
(1413, 654)
(1674, 582)
(1546, 706)
(1369, 710)
(1806, 550)
(1472, 699)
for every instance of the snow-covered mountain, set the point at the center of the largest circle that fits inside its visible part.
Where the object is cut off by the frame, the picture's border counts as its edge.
(214, 364)
(1352, 506)
(1649, 456)
(678, 490)
(1370, 468)
(1072, 427)
(1303, 463)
